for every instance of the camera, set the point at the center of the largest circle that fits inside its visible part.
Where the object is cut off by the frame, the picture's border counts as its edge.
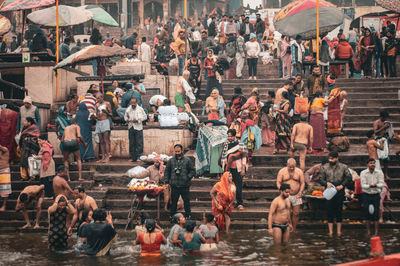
(178, 170)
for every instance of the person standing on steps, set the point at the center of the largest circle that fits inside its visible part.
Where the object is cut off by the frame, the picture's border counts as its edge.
(70, 143)
(25, 198)
(178, 174)
(381, 128)
(60, 185)
(297, 50)
(294, 177)
(302, 137)
(48, 167)
(135, 116)
(372, 184)
(373, 146)
(240, 54)
(252, 51)
(234, 160)
(195, 67)
(103, 128)
(28, 110)
(337, 175)
(279, 222)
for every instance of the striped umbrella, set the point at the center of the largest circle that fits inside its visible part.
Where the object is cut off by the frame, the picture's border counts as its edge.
(12, 5)
(299, 17)
(393, 5)
(68, 15)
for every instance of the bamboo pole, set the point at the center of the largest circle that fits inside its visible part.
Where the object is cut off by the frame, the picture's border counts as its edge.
(57, 51)
(317, 59)
(186, 31)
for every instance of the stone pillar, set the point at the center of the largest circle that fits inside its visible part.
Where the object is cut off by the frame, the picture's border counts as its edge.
(141, 13)
(124, 16)
(165, 10)
(83, 2)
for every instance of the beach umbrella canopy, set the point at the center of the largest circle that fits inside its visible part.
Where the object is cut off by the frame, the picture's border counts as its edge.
(393, 5)
(100, 15)
(5, 25)
(299, 17)
(92, 52)
(68, 16)
(12, 5)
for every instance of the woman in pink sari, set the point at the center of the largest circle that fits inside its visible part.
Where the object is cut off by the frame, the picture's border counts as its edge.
(286, 57)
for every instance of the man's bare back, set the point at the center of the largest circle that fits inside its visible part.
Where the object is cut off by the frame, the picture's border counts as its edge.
(291, 178)
(61, 187)
(372, 146)
(72, 132)
(302, 133)
(34, 193)
(379, 128)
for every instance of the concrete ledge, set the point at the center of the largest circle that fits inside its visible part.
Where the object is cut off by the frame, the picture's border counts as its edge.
(155, 139)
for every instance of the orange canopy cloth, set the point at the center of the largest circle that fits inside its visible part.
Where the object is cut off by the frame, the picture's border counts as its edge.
(12, 5)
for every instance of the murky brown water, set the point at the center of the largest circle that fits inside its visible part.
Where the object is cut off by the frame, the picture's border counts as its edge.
(250, 247)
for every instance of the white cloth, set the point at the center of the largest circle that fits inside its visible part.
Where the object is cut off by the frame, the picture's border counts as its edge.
(188, 91)
(138, 114)
(154, 99)
(383, 154)
(252, 49)
(196, 35)
(118, 91)
(145, 53)
(374, 178)
(239, 65)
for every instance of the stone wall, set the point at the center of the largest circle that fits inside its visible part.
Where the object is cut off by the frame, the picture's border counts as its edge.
(155, 139)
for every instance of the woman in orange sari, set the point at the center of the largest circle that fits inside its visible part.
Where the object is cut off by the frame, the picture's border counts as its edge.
(253, 105)
(334, 113)
(223, 195)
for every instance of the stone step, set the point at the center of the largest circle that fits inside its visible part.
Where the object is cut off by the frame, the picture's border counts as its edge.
(46, 204)
(368, 117)
(358, 131)
(369, 124)
(15, 176)
(97, 194)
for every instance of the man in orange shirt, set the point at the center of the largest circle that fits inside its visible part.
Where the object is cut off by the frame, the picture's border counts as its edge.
(344, 51)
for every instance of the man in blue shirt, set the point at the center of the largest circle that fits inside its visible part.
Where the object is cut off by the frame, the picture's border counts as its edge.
(135, 89)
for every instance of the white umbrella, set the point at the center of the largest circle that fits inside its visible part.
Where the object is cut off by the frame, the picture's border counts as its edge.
(68, 16)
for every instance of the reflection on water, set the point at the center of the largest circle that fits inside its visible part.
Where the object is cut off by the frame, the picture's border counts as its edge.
(241, 247)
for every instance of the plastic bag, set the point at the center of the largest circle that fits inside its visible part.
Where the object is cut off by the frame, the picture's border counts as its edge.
(34, 166)
(301, 105)
(135, 171)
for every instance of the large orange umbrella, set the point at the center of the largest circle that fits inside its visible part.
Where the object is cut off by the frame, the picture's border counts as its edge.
(393, 5)
(299, 18)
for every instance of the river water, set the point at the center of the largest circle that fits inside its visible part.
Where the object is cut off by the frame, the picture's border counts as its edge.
(244, 247)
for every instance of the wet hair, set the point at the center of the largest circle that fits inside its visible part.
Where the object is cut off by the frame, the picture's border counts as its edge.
(143, 217)
(190, 225)
(61, 169)
(370, 160)
(178, 145)
(324, 160)
(232, 132)
(30, 120)
(85, 214)
(99, 215)
(175, 218)
(43, 137)
(334, 154)
(384, 114)
(284, 186)
(80, 189)
(370, 133)
(62, 199)
(271, 93)
(23, 197)
(150, 225)
(209, 217)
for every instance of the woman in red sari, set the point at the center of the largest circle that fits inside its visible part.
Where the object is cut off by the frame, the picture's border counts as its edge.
(8, 124)
(223, 195)
(334, 113)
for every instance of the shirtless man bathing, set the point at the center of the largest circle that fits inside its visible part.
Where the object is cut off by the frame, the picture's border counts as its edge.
(380, 129)
(26, 197)
(60, 185)
(70, 141)
(294, 177)
(84, 202)
(373, 146)
(302, 136)
(279, 222)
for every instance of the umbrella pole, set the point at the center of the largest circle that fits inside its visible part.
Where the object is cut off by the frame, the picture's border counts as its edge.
(57, 51)
(317, 59)
(23, 26)
(186, 31)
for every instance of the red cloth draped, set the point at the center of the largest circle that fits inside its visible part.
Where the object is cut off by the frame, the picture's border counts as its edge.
(47, 153)
(225, 196)
(8, 124)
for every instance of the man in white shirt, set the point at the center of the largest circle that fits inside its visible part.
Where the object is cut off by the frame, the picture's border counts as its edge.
(135, 116)
(372, 183)
(145, 51)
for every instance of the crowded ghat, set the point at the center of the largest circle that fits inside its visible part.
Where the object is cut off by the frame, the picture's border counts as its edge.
(240, 133)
